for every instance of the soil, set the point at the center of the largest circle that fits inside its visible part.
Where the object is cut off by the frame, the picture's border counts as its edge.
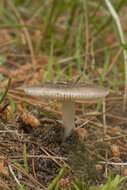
(46, 152)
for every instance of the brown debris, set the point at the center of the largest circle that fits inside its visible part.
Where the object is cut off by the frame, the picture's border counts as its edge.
(28, 118)
(98, 167)
(83, 134)
(65, 183)
(3, 169)
(4, 112)
(116, 152)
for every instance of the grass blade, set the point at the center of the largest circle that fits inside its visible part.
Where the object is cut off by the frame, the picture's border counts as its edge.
(58, 177)
(6, 91)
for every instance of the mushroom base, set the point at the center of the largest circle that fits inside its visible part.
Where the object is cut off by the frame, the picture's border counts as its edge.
(68, 117)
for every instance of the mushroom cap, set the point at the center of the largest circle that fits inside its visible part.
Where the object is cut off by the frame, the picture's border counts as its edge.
(67, 92)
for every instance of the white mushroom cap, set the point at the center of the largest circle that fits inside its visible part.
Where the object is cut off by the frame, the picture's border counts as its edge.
(67, 92)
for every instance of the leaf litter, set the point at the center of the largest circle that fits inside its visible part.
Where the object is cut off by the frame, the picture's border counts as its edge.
(86, 152)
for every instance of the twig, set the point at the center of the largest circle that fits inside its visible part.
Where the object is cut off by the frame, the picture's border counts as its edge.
(113, 163)
(25, 174)
(25, 32)
(50, 156)
(120, 30)
(15, 178)
(86, 34)
(114, 61)
(39, 156)
(104, 118)
(9, 131)
(33, 165)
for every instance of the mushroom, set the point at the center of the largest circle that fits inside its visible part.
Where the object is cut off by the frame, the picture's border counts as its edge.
(68, 94)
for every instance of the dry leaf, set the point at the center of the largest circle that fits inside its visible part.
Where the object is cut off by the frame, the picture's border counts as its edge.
(30, 119)
(124, 172)
(98, 167)
(4, 112)
(3, 170)
(83, 134)
(116, 152)
(64, 183)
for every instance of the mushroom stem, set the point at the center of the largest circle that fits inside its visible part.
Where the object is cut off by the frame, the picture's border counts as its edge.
(68, 117)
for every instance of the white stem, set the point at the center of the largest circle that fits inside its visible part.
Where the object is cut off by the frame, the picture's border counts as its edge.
(68, 117)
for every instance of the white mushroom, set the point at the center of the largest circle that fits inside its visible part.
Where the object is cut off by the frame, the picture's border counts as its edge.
(68, 94)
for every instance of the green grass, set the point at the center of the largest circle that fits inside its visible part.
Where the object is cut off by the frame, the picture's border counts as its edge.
(5, 91)
(113, 183)
(63, 26)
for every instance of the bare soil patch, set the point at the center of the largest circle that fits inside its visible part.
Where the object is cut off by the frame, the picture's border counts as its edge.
(46, 153)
